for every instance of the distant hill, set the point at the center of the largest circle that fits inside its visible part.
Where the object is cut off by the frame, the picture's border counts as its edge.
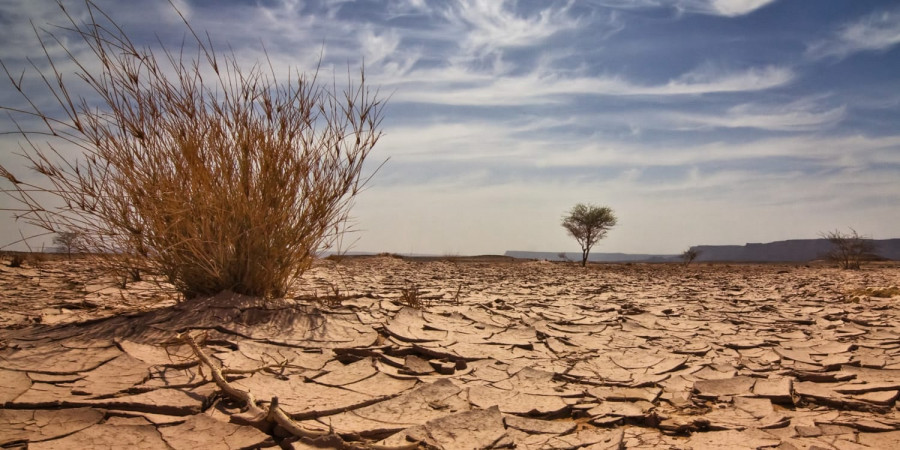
(794, 250)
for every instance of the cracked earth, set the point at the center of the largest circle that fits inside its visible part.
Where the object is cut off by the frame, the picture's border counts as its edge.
(494, 354)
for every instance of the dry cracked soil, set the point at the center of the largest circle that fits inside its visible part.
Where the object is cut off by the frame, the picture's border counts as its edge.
(391, 353)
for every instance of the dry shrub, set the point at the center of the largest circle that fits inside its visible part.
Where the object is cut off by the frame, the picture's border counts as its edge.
(879, 292)
(689, 255)
(410, 296)
(849, 250)
(16, 260)
(331, 299)
(211, 175)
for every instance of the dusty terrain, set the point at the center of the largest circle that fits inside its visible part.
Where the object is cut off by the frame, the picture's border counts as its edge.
(494, 354)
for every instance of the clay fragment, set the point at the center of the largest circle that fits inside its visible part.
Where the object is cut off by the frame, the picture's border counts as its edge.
(776, 389)
(721, 440)
(725, 387)
(415, 407)
(620, 409)
(12, 385)
(108, 436)
(625, 394)
(114, 376)
(201, 431)
(413, 365)
(595, 439)
(538, 426)
(515, 402)
(478, 428)
(18, 425)
(56, 359)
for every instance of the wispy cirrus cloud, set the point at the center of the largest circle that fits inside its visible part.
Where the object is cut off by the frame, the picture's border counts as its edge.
(490, 25)
(544, 87)
(835, 152)
(802, 115)
(726, 8)
(378, 46)
(538, 147)
(875, 32)
(729, 8)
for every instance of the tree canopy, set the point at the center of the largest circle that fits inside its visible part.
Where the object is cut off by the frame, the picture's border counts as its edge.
(588, 224)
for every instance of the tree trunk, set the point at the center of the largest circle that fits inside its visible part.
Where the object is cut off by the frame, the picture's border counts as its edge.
(584, 257)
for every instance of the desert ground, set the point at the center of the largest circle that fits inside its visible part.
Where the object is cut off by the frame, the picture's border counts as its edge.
(457, 353)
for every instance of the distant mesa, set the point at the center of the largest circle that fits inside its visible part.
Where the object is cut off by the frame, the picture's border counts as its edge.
(794, 250)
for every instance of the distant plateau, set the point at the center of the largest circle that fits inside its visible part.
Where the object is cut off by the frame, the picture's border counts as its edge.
(794, 250)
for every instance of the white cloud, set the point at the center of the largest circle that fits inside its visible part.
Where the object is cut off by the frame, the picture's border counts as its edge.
(734, 8)
(709, 81)
(545, 87)
(530, 147)
(851, 151)
(377, 47)
(492, 25)
(796, 116)
(875, 32)
(726, 8)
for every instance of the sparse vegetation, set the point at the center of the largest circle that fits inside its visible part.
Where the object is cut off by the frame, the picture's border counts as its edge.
(68, 241)
(331, 299)
(885, 292)
(689, 255)
(16, 260)
(410, 296)
(588, 224)
(193, 169)
(452, 258)
(849, 249)
(37, 258)
(456, 298)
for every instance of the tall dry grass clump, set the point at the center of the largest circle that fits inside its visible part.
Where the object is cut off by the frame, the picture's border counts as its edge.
(195, 169)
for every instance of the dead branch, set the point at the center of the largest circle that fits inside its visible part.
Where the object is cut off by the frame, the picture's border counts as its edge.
(265, 418)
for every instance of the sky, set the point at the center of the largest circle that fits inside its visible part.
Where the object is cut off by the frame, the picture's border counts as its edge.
(696, 121)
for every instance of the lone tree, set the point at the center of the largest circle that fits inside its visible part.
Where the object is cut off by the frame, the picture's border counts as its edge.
(68, 241)
(210, 175)
(849, 249)
(689, 255)
(588, 224)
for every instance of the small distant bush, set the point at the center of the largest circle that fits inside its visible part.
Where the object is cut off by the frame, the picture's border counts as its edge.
(689, 255)
(849, 249)
(210, 175)
(68, 241)
(16, 260)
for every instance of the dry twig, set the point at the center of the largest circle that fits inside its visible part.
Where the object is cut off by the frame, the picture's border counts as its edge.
(274, 415)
